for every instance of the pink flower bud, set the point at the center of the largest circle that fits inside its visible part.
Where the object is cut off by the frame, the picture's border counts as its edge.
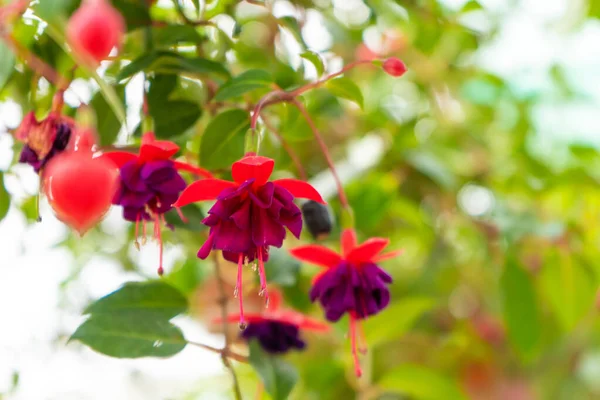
(94, 30)
(394, 67)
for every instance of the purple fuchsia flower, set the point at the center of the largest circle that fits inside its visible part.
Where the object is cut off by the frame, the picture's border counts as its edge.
(150, 183)
(43, 140)
(352, 282)
(276, 329)
(250, 214)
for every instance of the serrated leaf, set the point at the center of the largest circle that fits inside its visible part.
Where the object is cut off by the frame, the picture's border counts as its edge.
(167, 62)
(154, 298)
(520, 309)
(278, 376)
(346, 89)
(4, 198)
(7, 64)
(243, 83)
(223, 139)
(404, 313)
(421, 383)
(130, 335)
(108, 125)
(315, 59)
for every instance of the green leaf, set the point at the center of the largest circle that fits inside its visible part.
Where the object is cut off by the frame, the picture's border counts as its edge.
(173, 34)
(282, 269)
(315, 60)
(7, 64)
(520, 309)
(346, 89)
(291, 24)
(153, 299)
(135, 12)
(130, 335)
(4, 198)
(404, 313)
(569, 287)
(167, 62)
(243, 83)
(278, 376)
(294, 127)
(193, 215)
(174, 117)
(223, 139)
(420, 383)
(54, 11)
(108, 125)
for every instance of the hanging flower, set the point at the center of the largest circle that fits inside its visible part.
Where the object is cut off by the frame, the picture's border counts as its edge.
(352, 282)
(44, 139)
(150, 183)
(276, 329)
(250, 214)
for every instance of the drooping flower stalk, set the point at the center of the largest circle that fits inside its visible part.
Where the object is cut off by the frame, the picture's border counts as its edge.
(250, 215)
(351, 283)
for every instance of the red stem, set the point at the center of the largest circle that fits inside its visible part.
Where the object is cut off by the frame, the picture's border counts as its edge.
(318, 83)
(319, 138)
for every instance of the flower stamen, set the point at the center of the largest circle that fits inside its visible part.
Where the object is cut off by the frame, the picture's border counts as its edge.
(158, 237)
(263, 277)
(357, 369)
(137, 226)
(238, 289)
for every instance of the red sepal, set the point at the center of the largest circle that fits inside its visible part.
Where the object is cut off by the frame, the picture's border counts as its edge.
(181, 166)
(300, 189)
(368, 250)
(349, 241)
(152, 149)
(317, 255)
(387, 256)
(205, 189)
(119, 158)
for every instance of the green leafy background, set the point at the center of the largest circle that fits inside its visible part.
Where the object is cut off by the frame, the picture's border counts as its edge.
(493, 197)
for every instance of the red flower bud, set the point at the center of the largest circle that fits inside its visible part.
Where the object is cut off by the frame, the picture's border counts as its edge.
(94, 29)
(80, 187)
(394, 67)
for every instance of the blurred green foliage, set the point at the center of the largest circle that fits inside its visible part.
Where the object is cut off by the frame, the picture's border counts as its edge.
(495, 294)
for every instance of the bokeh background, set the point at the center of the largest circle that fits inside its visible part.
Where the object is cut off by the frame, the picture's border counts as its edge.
(481, 162)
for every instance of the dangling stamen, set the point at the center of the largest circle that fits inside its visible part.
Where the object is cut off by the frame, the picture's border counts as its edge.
(137, 226)
(160, 243)
(263, 277)
(143, 231)
(362, 342)
(238, 289)
(357, 369)
(181, 216)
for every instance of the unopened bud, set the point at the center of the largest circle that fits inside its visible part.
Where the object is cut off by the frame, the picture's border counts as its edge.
(394, 67)
(317, 218)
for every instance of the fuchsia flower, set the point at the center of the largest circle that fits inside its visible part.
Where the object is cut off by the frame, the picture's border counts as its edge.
(352, 282)
(44, 139)
(250, 214)
(276, 329)
(150, 183)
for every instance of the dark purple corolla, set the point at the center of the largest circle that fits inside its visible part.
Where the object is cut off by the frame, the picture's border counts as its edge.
(43, 140)
(250, 214)
(150, 183)
(278, 330)
(352, 282)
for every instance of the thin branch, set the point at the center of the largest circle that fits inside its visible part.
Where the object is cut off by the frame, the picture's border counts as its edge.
(319, 138)
(223, 298)
(229, 354)
(287, 148)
